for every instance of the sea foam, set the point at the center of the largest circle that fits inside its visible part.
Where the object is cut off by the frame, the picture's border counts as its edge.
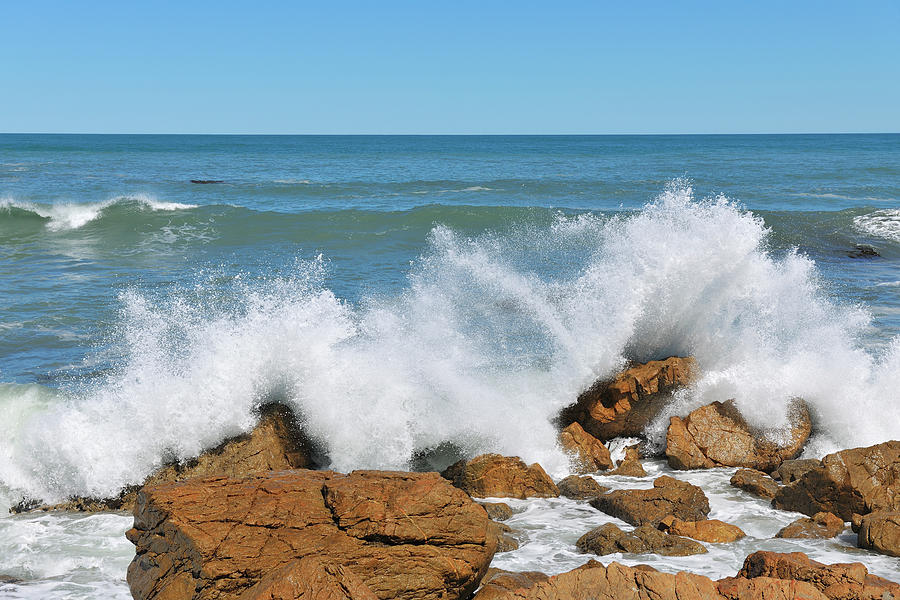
(63, 216)
(480, 351)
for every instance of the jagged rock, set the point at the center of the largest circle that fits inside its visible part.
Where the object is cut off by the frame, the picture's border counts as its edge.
(630, 466)
(309, 579)
(580, 487)
(623, 406)
(275, 444)
(668, 496)
(502, 532)
(708, 530)
(822, 525)
(498, 582)
(646, 539)
(497, 511)
(755, 482)
(859, 480)
(767, 588)
(855, 522)
(850, 581)
(405, 535)
(880, 531)
(587, 452)
(493, 475)
(792, 470)
(716, 435)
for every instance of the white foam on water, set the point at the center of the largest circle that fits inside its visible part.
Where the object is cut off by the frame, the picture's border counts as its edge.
(64, 216)
(880, 223)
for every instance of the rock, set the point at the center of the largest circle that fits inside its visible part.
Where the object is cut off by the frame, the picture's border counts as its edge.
(755, 482)
(497, 511)
(792, 470)
(880, 531)
(668, 496)
(708, 530)
(716, 435)
(493, 475)
(587, 452)
(849, 581)
(623, 406)
(863, 251)
(404, 535)
(646, 539)
(275, 444)
(767, 588)
(502, 532)
(207, 181)
(310, 579)
(580, 487)
(630, 466)
(859, 480)
(855, 522)
(498, 582)
(822, 525)
(9, 580)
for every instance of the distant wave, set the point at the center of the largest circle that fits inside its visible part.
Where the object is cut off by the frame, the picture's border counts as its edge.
(64, 216)
(881, 223)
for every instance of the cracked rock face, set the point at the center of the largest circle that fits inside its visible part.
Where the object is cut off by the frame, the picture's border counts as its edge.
(403, 535)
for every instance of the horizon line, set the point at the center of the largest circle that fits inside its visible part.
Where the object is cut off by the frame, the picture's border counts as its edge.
(456, 134)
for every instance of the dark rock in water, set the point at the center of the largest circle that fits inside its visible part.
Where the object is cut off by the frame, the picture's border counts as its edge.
(436, 458)
(669, 496)
(493, 475)
(609, 539)
(880, 531)
(792, 470)
(9, 579)
(755, 482)
(863, 251)
(580, 487)
(823, 525)
(205, 181)
(497, 511)
(503, 533)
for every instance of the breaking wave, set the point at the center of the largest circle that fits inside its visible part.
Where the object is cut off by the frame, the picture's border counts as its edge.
(62, 216)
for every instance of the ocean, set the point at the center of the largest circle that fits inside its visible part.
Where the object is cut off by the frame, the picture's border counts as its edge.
(403, 292)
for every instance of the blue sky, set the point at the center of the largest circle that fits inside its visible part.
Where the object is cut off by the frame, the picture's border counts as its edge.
(449, 67)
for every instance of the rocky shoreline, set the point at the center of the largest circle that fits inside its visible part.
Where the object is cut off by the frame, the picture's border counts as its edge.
(251, 519)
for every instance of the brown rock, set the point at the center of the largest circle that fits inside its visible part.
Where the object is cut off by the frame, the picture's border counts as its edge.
(755, 482)
(405, 535)
(792, 470)
(623, 406)
(717, 435)
(668, 496)
(502, 532)
(855, 522)
(860, 480)
(493, 475)
(630, 466)
(497, 511)
(708, 530)
(646, 539)
(849, 581)
(767, 588)
(310, 579)
(587, 452)
(880, 531)
(498, 582)
(275, 444)
(580, 487)
(822, 525)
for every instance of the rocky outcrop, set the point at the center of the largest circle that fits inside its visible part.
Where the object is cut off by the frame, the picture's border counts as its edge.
(709, 530)
(276, 443)
(498, 582)
(859, 480)
(309, 579)
(767, 588)
(669, 496)
(588, 454)
(646, 539)
(880, 531)
(630, 466)
(755, 482)
(823, 525)
(404, 535)
(624, 405)
(493, 475)
(716, 435)
(792, 470)
(497, 511)
(580, 487)
(850, 581)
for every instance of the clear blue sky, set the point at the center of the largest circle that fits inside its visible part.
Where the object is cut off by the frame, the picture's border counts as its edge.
(450, 67)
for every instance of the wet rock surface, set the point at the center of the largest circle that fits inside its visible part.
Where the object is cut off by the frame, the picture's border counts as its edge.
(880, 531)
(709, 530)
(493, 475)
(755, 482)
(668, 496)
(822, 525)
(587, 452)
(578, 487)
(609, 539)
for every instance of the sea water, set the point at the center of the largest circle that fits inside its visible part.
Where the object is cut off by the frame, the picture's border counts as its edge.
(403, 293)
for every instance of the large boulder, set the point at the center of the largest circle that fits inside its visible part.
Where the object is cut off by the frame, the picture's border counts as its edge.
(498, 582)
(624, 405)
(708, 530)
(496, 476)
(646, 539)
(404, 535)
(716, 435)
(755, 482)
(791, 470)
(880, 531)
(580, 487)
(588, 454)
(822, 525)
(668, 496)
(310, 579)
(850, 581)
(859, 480)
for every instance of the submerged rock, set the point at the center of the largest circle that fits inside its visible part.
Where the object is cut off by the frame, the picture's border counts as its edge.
(493, 475)
(646, 539)
(707, 530)
(755, 482)
(587, 452)
(822, 525)
(623, 406)
(880, 531)
(716, 435)
(668, 496)
(580, 487)
(404, 535)
(859, 480)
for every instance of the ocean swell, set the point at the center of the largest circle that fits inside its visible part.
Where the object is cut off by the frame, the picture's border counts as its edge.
(64, 216)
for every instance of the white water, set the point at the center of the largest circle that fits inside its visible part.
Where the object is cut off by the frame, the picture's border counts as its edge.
(881, 223)
(63, 216)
